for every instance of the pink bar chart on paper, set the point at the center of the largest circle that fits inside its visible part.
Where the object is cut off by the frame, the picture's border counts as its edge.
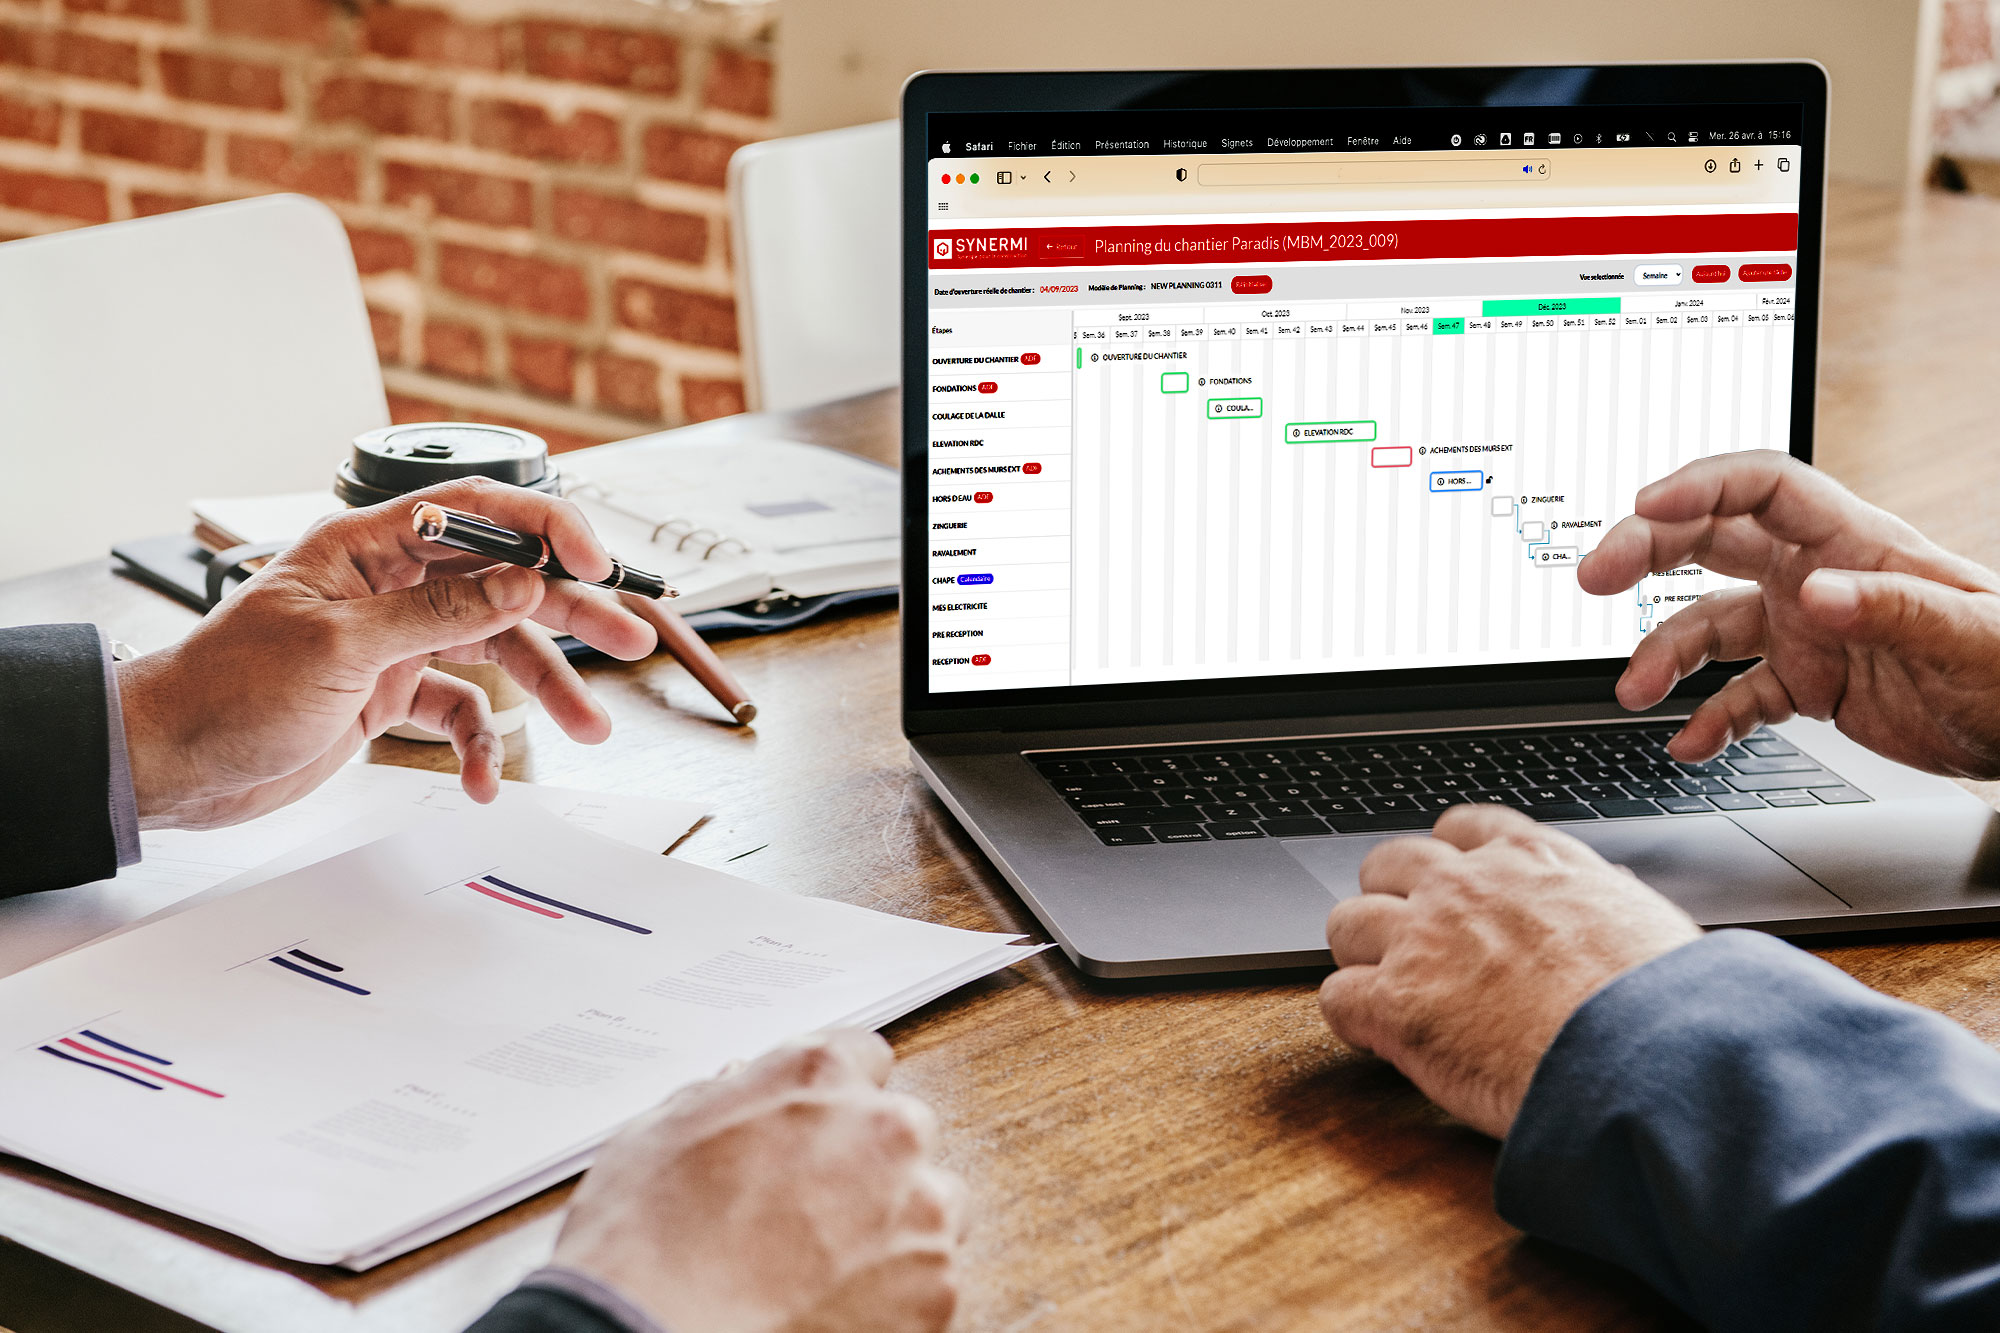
(540, 904)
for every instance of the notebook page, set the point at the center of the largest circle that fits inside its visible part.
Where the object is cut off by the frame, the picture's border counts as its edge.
(814, 520)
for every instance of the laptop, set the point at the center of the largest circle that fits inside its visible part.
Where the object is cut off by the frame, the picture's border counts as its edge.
(1254, 425)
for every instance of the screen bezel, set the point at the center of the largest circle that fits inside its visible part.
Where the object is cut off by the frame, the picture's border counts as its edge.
(1326, 694)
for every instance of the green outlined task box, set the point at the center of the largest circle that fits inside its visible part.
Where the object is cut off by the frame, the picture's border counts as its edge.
(1330, 432)
(1173, 381)
(1235, 409)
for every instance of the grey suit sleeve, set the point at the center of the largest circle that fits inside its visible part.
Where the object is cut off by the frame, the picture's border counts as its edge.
(1771, 1144)
(60, 799)
(562, 1300)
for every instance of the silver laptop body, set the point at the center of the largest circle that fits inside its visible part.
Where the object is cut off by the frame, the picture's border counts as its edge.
(1254, 424)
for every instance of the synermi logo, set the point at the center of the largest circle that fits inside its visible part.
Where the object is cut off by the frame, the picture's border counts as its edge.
(966, 245)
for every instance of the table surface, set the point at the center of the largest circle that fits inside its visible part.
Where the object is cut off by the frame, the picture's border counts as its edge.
(1195, 1157)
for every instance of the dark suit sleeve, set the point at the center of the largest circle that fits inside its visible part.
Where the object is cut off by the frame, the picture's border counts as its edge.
(1770, 1143)
(56, 770)
(560, 1300)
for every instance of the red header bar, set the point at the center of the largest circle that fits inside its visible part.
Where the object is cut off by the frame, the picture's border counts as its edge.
(1323, 242)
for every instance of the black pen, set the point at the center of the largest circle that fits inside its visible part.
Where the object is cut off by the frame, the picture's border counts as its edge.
(469, 532)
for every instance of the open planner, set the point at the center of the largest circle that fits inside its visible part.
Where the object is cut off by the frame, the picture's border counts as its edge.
(729, 525)
(734, 523)
(358, 1056)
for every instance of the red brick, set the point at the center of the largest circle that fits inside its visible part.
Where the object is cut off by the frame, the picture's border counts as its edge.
(143, 139)
(403, 409)
(560, 441)
(704, 399)
(527, 130)
(648, 62)
(23, 119)
(542, 365)
(694, 156)
(304, 21)
(387, 326)
(1968, 33)
(738, 82)
(333, 173)
(62, 196)
(676, 315)
(148, 203)
(62, 52)
(377, 251)
(523, 282)
(385, 107)
(430, 36)
(499, 201)
(206, 78)
(628, 384)
(608, 219)
(454, 349)
(167, 11)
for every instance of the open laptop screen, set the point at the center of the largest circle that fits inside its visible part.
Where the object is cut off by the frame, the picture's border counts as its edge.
(1266, 392)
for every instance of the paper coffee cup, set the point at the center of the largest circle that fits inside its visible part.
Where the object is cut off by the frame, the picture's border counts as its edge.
(396, 460)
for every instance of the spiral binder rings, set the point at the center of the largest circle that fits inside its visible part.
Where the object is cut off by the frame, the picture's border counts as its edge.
(731, 525)
(757, 536)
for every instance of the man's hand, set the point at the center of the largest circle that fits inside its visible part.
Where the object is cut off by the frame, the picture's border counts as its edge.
(1468, 950)
(793, 1195)
(326, 646)
(1857, 616)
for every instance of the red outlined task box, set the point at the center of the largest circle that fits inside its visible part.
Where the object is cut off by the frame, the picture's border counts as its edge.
(1391, 455)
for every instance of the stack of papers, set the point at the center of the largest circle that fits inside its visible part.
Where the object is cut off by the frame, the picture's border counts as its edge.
(357, 1056)
(358, 804)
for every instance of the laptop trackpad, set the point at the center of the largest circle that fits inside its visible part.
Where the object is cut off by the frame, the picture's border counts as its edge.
(1719, 874)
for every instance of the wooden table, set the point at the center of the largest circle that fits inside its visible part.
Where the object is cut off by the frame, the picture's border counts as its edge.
(1194, 1158)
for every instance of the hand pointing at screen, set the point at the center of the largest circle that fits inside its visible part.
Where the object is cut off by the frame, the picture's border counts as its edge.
(1857, 617)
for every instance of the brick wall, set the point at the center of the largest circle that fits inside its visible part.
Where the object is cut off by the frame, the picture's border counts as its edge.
(533, 187)
(1969, 71)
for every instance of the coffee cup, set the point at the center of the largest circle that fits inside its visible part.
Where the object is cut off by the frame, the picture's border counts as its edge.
(396, 460)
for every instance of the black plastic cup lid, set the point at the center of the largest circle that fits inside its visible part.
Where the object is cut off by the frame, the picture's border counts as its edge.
(396, 460)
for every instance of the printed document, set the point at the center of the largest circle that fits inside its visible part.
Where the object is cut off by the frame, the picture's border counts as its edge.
(179, 864)
(348, 1059)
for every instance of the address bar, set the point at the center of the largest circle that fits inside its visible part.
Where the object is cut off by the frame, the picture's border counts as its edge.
(1406, 171)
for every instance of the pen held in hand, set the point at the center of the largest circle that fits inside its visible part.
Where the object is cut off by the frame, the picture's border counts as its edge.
(469, 532)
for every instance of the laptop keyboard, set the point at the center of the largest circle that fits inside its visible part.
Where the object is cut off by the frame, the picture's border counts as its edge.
(1304, 789)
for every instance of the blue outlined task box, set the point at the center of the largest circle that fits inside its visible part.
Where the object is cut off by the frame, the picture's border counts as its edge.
(1471, 479)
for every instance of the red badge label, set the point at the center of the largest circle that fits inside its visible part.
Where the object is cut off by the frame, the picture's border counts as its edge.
(988, 386)
(1032, 469)
(1031, 358)
(982, 659)
(1765, 272)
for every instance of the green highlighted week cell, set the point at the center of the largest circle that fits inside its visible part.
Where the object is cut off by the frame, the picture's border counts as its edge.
(1557, 305)
(1447, 326)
